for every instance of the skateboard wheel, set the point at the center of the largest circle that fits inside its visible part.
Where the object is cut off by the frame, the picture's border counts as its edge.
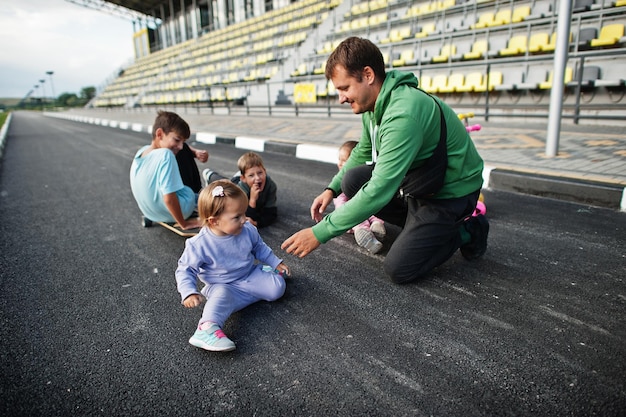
(145, 222)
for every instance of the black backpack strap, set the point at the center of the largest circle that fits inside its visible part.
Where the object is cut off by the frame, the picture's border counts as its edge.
(428, 179)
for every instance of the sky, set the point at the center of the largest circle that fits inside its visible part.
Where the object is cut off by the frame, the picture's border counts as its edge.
(84, 47)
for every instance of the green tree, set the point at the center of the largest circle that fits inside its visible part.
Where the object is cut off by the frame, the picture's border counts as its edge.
(68, 100)
(87, 93)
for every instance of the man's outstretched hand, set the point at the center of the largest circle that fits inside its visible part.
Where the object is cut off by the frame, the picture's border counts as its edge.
(301, 243)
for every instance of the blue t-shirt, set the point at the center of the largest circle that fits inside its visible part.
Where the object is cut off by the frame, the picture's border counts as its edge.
(153, 176)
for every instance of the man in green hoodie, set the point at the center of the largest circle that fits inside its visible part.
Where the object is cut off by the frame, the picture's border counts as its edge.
(402, 128)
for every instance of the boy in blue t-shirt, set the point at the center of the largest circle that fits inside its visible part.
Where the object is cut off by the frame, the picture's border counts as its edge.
(155, 178)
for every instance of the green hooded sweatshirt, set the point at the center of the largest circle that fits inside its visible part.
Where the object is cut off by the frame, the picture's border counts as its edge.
(405, 125)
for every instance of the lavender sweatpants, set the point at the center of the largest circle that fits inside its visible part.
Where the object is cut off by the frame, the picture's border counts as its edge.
(222, 300)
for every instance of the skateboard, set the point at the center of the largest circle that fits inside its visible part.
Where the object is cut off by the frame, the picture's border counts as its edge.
(174, 227)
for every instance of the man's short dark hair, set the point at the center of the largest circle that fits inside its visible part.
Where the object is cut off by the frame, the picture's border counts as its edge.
(354, 54)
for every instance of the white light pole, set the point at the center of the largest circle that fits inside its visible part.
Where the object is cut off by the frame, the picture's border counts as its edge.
(43, 90)
(36, 87)
(52, 86)
(558, 74)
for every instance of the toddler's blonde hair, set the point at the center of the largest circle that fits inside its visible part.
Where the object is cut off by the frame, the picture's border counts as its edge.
(212, 206)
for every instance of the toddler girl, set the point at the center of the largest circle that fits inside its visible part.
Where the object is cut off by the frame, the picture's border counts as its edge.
(370, 232)
(228, 256)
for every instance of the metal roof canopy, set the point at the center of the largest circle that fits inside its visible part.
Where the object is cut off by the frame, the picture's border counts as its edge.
(148, 7)
(124, 9)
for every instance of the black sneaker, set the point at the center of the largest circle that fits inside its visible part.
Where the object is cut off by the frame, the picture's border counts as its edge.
(478, 227)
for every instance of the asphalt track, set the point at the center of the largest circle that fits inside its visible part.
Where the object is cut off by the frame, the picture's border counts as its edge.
(91, 323)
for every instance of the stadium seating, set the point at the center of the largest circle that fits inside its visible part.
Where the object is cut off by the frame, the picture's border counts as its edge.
(538, 41)
(455, 83)
(520, 14)
(425, 82)
(473, 81)
(484, 20)
(585, 35)
(547, 84)
(610, 35)
(479, 50)
(446, 53)
(453, 45)
(532, 79)
(510, 80)
(517, 45)
(438, 84)
(320, 69)
(582, 5)
(422, 9)
(302, 69)
(426, 30)
(407, 57)
(493, 80)
(589, 75)
(551, 46)
(397, 35)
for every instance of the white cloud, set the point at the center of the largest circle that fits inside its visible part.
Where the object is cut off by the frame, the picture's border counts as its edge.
(82, 46)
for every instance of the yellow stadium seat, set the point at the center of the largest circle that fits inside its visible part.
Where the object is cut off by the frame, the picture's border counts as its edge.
(425, 8)
(396, 35)
(321, 69)
(620, 3)
(377, 19)
(551, 46)
(455, 82)
(439, 81)
(484, 20)
(378, 4)
(493, 80)
(517, 45)
(520, 14)
(393, 33)
(446, 52)
(218, 95)
(325, 91)
(610, 35)
(407, 57)
(425, 82)
(473, 81)
(537, 42)
(404, 33)
(270, 72)
(358, 24)
(427, 29)
(302, 69)
(502, 17)
(410, 12)
(479, 49)
(326, 48)
(445, 4)
(567, 77)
